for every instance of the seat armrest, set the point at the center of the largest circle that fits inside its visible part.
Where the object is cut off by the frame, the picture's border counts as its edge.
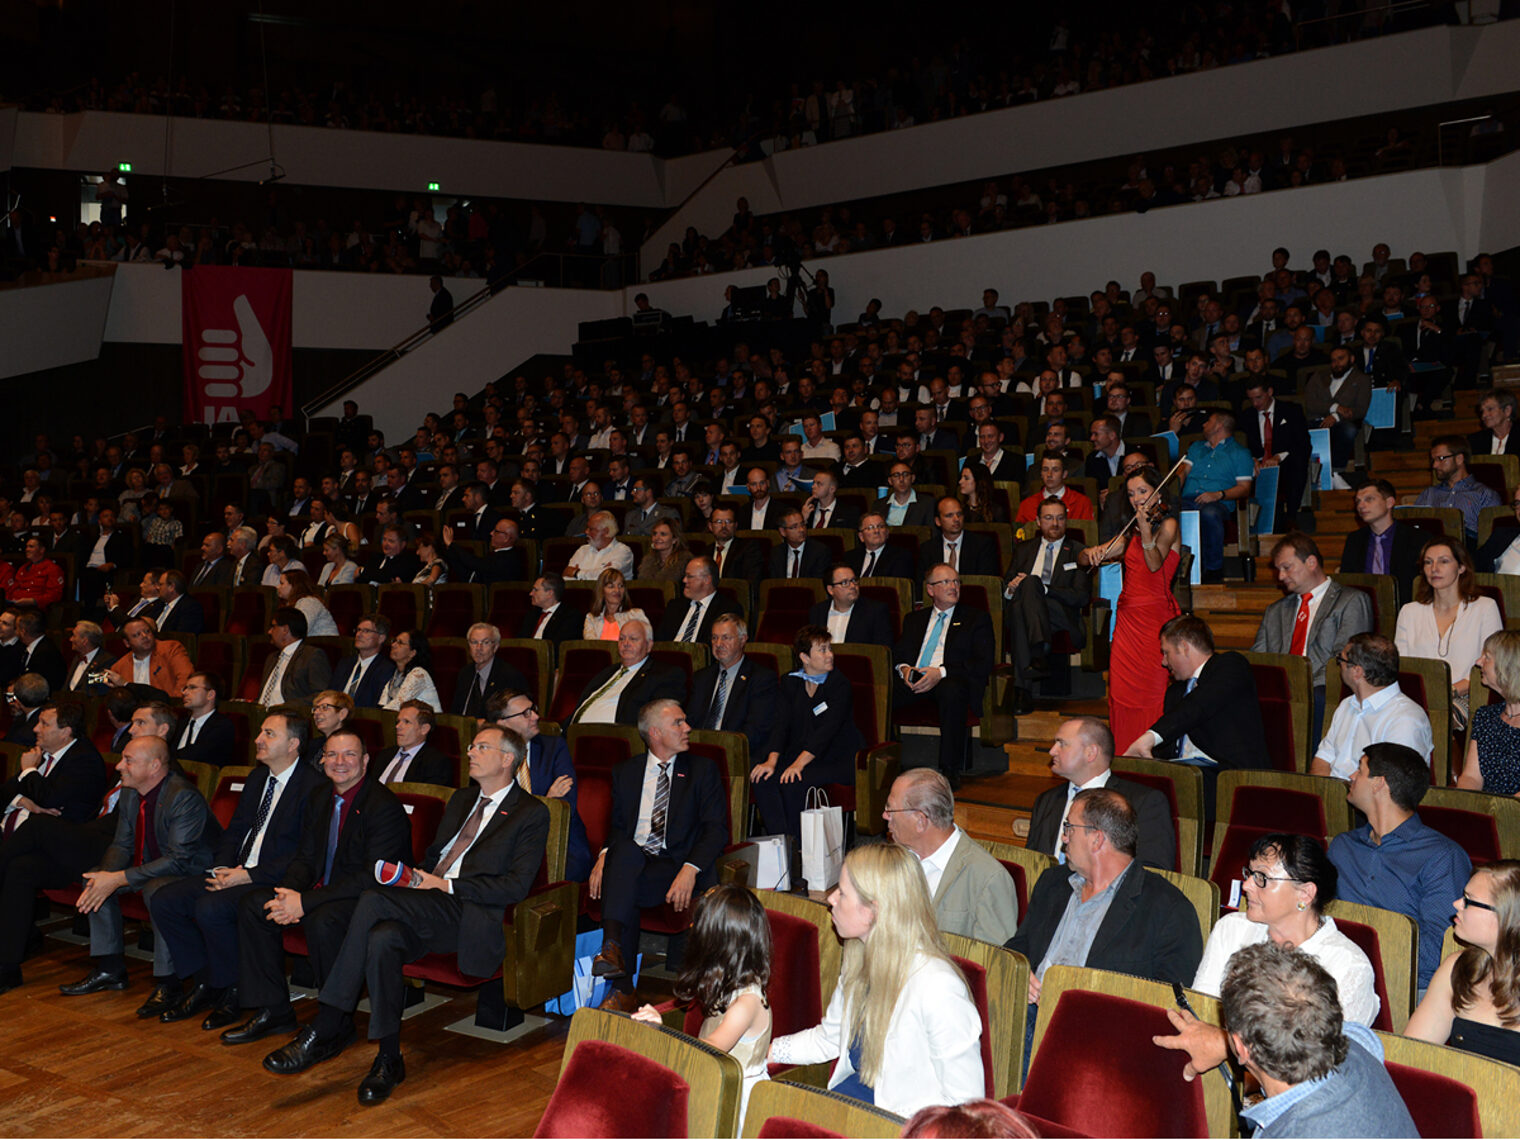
(539, 963)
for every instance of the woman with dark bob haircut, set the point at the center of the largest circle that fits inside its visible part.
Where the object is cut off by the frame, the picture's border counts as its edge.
(1287, 882)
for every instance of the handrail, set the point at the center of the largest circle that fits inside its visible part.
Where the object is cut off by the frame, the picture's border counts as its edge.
(1363, 13)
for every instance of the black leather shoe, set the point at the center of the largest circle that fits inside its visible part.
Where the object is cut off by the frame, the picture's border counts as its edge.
(165, 996)
(1022, 702)
(261, 1026)
(384, 1075)
(197, 998)
(307, 1050)
(93, 983)
(225, 1011)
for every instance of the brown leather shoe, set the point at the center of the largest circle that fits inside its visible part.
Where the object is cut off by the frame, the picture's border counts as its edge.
(609, 962)
(620, 1002)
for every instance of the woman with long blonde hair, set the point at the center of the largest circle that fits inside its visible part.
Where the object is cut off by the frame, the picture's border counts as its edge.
(901, 1023)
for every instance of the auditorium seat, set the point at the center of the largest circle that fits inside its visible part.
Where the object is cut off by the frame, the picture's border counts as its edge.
(1391, 942)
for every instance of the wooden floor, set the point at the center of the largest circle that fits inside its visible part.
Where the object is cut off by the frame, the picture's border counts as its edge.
(87, 1066)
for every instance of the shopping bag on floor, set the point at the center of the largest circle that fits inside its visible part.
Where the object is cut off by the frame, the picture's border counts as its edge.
(586, 990)
(822, 841)
(773, 862)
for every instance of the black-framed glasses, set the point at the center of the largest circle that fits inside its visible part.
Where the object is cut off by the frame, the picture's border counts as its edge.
(1468, 900)
(532, 708)
(1067, 827)
(1261, 879)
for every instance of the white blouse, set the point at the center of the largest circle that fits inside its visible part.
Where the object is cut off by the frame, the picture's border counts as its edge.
(1342, 959)
(1416, 636)
(417, 685)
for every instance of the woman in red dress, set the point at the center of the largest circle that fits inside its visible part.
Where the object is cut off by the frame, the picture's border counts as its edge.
(1136, 678)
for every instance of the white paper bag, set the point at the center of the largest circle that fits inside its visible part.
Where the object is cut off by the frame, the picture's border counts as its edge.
(822, 841)
(773, 863)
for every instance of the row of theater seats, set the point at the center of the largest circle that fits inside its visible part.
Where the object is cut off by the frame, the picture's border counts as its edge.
(621, 1077)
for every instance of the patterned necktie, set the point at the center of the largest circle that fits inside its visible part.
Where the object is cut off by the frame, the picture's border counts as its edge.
(689, 633)
(656, 841)
(462, 841)
(715, 711)
(259, 821)
(951, 559)
(932, 643)
(871, 565)
(272, 686)
(1379, 563)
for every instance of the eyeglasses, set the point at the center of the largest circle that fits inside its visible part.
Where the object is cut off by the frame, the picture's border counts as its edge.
(1434, 459)
(895, 811)
(1468, 900)
(945, 582)
(532, 708)
(321, 708)
(843, 582)
(1067, 826)
(1261, 880)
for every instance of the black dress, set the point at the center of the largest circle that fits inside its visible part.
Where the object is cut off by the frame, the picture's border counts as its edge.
(823, 724)
(1485, 1040)
(1498, 751)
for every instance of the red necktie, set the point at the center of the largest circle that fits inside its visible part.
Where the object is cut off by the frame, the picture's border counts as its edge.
(1266, 435)
(142, 829)
(1300, 627)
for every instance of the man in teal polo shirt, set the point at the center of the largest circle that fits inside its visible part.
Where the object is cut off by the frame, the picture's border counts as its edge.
(1217, 473)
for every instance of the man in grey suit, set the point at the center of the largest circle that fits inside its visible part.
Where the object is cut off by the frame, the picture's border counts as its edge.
(1082, 754)
(971, 891)
(1317, 617)
(178, 838)
(303, 670)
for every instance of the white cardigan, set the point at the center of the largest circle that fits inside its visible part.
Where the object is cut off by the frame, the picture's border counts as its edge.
(933, 1050)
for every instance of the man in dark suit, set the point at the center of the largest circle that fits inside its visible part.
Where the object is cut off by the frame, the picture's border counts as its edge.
(333, 865)
(1274, 422)
(1211, 717)
(110, 548)
(303, 670)
(1044, 591)
(618, 692)
(794, 556)
(215, 568)
(1496, 411)
(654, 856)
(823, 510)
(413, 759)
(369, 660)
(28, 694)
(489, 847)
(207, 736)
(394, 562)
(970, 552)
(691, 618)
(550, 619)
(734, 557)
(38, 653)
(178, 837)
(849, 617)
(859, 470)
(1382, 360)
(872, 556)
(85, 640)
(1385, 546)
(477, 500)
(487, 674)
(177, 612)
(944, 656)
(735, 693)
(502, 562)
(917, 510)
(1082, 754)
(197, 917)
(1149, 930)
(62, 772)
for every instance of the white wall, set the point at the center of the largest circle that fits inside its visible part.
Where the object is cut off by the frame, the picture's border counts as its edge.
(44, 326)
(1434, 65)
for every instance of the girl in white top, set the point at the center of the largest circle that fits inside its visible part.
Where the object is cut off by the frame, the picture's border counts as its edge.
(726, 971)
(1288, 881)
(1448, 618)
(901, 1025)
(413, 678)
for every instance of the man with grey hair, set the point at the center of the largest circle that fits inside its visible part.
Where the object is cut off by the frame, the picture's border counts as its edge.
(971, 891)
(602, 550)
(618, 692)
(488, 675)
(1374, 711)
(691, 619)
(85, 640)
(488, 849)
(1322, 1075)
(669, 826)
(247, 569)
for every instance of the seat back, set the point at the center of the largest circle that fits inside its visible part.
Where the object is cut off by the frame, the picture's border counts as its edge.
(686, 656)
(1440, 1109)
(651, 597)
(1282, 801)
(348, 604)
(772, 654)
(1117, 1083)
(868, 668)
(222, 654)
(784, 606)
(602, 747)
(1479, 822)
(825, 950)
(784, 1108)
(424, 804)
(894, 593)
(257, 651)
(1023, 865)
(533, 658)
(229, 789)
(507, 604)
(214, 601)
(579, 661)
(248, 611)
(730, 752)
(1391, 942)
(1203, 894)
(998, 981)
(1285, 692)
(404, 604)
(1383, 595)
(454, 608)
(1182, 784)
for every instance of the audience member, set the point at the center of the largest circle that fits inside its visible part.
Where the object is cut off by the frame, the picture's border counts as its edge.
(1449, 620)
(1492, 763)
(1375, 709)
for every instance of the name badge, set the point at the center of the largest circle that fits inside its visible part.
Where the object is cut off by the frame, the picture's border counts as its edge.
(820, 708)
(1069, 566)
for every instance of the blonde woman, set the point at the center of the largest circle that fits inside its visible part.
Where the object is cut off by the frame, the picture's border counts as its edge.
(1493, 754)
(667, 557)
(609, 608)
(901, 1025)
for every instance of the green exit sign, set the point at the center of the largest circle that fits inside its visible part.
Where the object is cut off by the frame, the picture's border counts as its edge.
(433, 186)
(124, 167)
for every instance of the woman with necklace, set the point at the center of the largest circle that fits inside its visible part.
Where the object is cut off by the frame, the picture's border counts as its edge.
(1448, 619)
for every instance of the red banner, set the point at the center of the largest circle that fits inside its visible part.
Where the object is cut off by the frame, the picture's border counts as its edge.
(236, 342)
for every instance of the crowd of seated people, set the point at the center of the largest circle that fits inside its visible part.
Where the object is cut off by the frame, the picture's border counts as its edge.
(821, 551)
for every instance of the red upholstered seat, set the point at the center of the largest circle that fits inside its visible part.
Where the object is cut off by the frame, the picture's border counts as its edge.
(260, 650)
(509, 604)
(1020, 885)
(606, 1090)
(650, 599)
(1274, 695)
(1439, 1105)
(675, 659)
(211, 599)
(1476, 832)
(348, 605)
(454, 608)
(577, 666)
(791, 1127)
(1368, 942)
(1278, 809)
(370, 731)
(1096, 1071)
(132, 905)
(248, 612)
(786, 611)
(424, 812)
(888, 596)
(976, 983)
(451, 657)
(402, 605)
(1234, 853)
(523, 658)
(224, 801)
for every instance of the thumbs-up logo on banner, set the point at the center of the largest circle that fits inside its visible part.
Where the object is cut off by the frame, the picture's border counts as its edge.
(236, 363)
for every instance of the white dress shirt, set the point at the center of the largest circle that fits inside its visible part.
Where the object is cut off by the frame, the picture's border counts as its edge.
(1385, 717)
(495, 802)
(603, 710)
(641, 830)
(543, 620)
(590, 562)
(838, 623)
(937, 658)
(934, 864)
(193, 728)
(280, 782)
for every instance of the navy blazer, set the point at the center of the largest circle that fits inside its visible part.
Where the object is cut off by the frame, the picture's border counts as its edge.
(978, 554)
(815, 561)
(548, 760)
(696, 819)
(823, 724)
(376, 677)
(968, 646)
(188, 616)
(652, 682)
(377, 828)
(750, 707)
(215, 743)
(870, 623)
(75, 786)
(47, 661)
(282, 834)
